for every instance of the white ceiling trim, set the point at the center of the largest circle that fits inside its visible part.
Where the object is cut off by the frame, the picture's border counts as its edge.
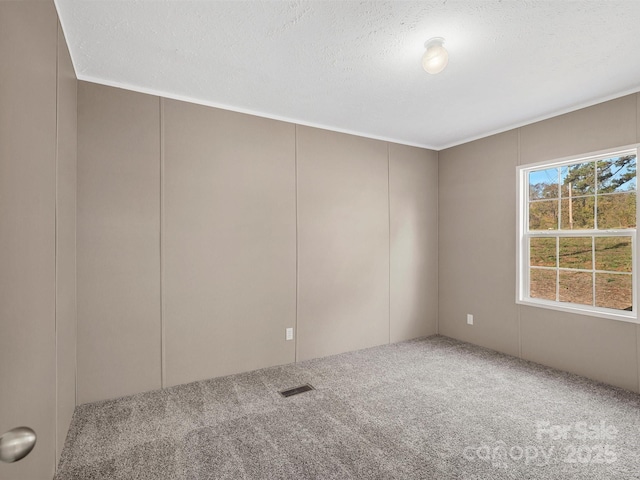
(542, 118)
(183, 98)
(437, 148)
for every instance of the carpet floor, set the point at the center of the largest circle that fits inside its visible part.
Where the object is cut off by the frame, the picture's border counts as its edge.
(432, 408)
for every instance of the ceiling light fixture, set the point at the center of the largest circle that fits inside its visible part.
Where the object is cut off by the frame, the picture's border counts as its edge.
(436, 57)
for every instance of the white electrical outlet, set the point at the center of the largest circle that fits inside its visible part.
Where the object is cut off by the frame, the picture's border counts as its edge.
(288, 335)
(469, 319)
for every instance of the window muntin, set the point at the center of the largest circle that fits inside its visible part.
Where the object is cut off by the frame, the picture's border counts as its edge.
(578, 234)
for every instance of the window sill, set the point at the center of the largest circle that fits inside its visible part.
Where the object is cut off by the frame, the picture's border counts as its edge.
(623, 316)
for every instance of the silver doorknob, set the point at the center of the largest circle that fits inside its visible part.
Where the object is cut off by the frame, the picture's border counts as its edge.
(16, 444)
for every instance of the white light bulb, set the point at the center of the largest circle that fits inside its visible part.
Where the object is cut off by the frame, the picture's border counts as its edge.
(436, 57)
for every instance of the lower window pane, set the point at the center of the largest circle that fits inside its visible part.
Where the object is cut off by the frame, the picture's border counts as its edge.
(542, 284)
(614, 291)
(543, 252)
(576, 287)
(576, 252)
(613, 254)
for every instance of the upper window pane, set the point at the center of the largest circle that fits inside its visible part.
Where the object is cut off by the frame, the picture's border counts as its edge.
(617, 174)
(543, 184)
(543, 215)
(617, 211)
(578, 179)
(578, 213)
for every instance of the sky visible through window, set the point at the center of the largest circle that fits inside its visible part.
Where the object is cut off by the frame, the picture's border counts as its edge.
(555, 175)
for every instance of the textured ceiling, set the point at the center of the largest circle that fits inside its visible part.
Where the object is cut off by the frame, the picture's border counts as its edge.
(354, 66)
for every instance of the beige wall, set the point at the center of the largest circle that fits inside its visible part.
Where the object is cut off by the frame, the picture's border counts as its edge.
(37, 233)
(413, 197)
(229, 242)
(118, 249)
(343, 243)
(66, 320)
(477, 240)
(477, 218)
(258, 218)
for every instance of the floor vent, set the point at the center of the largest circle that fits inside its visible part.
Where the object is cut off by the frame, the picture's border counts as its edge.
(296, 390)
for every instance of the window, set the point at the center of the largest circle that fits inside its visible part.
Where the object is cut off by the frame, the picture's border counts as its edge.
(577, 234)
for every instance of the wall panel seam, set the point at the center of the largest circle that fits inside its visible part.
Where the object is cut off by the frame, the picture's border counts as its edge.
(637, 358)
(437, 243)
(438, 263)
(296, 333)
(55, 248)
(519, 307)
(389, 228)
(75, 262)
(161, 259)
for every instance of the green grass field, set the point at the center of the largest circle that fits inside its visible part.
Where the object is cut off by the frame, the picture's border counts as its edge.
(612, 254)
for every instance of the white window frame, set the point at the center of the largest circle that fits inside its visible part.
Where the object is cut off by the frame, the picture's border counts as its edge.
(523, 235)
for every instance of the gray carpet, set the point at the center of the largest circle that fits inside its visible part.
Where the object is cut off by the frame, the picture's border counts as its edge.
(432, 408)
